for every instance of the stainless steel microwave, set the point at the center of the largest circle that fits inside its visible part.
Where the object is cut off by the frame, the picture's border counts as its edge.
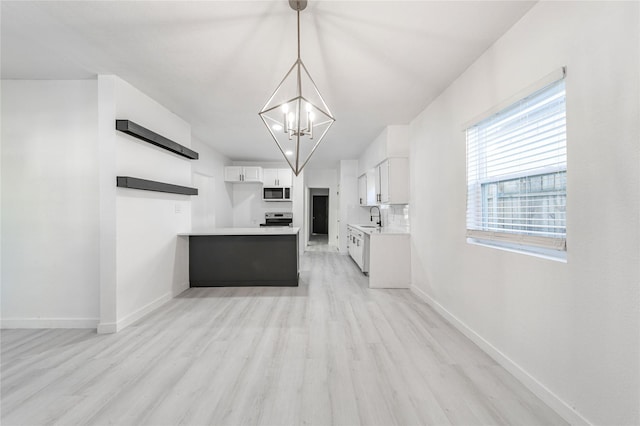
(276, 194)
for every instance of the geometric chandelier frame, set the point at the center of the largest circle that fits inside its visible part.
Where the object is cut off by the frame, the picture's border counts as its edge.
(296, 114)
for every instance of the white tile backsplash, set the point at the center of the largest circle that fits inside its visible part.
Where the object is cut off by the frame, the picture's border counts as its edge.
(395, 216)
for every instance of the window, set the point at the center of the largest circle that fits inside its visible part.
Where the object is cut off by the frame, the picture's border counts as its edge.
(517, 172)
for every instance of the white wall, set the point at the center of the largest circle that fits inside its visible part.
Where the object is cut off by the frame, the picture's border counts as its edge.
(393, 141)
(79, 252)
(248, 206)
(50, 228)
(151, 262)
(213, 207)
(569, 330)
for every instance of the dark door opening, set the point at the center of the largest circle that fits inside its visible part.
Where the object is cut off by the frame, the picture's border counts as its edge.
(320, 214)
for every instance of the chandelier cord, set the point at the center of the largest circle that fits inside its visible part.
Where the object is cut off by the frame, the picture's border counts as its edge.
(298, 33)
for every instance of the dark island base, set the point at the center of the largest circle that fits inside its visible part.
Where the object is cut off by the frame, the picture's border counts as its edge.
(243, 260)
(293, 283)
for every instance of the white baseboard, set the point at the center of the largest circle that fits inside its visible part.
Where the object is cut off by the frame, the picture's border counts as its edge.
(114, 327)
(49, 323)
(145, 310)
(107, 328)
(530, 382)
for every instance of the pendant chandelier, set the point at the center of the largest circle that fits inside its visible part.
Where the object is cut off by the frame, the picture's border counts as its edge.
(296, 115)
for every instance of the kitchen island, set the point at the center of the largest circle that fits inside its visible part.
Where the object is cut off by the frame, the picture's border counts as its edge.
(244, 257)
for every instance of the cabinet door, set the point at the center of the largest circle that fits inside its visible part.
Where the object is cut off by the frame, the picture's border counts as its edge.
(285, 177)
(232, 174)
(383, 181)
(270, 177)
(372, 190)
(252, 174)
(359, 251)
(366, 241)
(398, 181)
(362, 190)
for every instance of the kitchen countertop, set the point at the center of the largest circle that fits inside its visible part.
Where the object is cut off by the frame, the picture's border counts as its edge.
(267, 230)
(380, 231)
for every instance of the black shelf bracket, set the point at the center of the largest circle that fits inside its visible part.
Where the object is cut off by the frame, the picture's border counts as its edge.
(152, 185)
(137, 131)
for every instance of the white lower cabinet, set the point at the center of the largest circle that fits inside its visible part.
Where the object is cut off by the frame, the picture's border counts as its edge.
(385, 255)
(389, 261)
(358, 248)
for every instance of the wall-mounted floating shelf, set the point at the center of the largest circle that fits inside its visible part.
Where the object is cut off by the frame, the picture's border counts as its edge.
(137, 131)
(152, 185)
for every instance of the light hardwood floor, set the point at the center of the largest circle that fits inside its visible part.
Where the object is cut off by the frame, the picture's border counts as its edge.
(328, 352)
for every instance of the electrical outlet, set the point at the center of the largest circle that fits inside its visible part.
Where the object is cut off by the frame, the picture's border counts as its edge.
(178, 208)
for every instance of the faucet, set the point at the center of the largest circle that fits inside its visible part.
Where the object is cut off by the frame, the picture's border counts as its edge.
(379, 222)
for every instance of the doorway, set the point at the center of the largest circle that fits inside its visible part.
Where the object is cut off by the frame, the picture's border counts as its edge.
(318, 215)
(320, 218)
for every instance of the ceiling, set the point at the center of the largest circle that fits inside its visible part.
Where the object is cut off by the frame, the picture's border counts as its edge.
(215, 63)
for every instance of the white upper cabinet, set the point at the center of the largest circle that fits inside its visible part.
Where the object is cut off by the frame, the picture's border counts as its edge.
(244, 174)
(372, 188)
(285, 177)
(368, 189)
(382, 177)
(393, 181)
(387, 183)
(278, 178)
(362, 190)
(385, 164)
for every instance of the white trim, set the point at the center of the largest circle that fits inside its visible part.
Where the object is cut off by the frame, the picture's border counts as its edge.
(114, 327)
(49, 323)
(530, 382)
(542, 253)
(559, 244)
(147, 309)
(550, 78)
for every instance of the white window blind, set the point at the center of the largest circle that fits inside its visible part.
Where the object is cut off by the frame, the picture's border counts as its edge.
(517, 172)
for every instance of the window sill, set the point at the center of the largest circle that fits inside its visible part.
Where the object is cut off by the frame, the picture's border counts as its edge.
(543, 253)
